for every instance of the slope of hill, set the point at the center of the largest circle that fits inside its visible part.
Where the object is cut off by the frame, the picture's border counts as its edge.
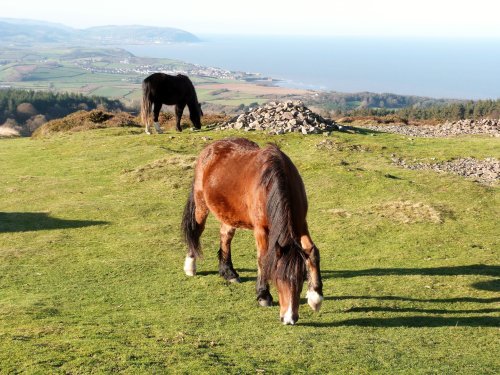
(91, 260)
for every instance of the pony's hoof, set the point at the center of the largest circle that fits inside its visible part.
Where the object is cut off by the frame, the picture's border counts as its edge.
(265, 302)
(314, 299)
(235, 280)
(147, 132)
(190, 266)
(288, 320)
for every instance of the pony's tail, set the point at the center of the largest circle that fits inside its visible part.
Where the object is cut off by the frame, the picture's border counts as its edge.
(145, 104)
(190, 228)
(282, 240)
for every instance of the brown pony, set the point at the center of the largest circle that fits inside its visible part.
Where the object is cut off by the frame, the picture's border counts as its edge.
(245, 186)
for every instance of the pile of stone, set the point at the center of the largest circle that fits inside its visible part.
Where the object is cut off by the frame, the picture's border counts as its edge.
(486, 171)
(449, 128)
(281, 118)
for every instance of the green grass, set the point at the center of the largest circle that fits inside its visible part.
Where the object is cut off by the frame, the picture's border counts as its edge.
(64, 74)
(111, 92)
(91, 261)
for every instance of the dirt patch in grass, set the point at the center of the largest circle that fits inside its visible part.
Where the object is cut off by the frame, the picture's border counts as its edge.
(329, 144)
(162, 170)
(340, 212)
(408, 212)
(404, 212)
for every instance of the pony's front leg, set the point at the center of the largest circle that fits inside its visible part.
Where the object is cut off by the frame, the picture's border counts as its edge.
(315, 285)
(262, 287)
(226, 269)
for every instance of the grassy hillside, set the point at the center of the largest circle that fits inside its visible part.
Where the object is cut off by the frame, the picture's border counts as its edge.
(91, 261)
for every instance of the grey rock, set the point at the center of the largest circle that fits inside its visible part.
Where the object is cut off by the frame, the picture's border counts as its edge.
(485, 171)
(447, 129)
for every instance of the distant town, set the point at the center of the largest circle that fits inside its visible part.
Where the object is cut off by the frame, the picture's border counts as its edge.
(189, 69)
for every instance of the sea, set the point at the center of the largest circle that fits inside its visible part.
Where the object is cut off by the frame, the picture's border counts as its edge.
(466, 68)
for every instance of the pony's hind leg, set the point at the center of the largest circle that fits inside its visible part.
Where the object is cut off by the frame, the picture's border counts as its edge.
(156, 114)
(193, 224)
(262, 287)
(315, 285)
(179, 108)
(226, 269)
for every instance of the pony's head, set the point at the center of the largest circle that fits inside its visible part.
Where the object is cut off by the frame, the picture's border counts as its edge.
(288, 276)
(195, 114)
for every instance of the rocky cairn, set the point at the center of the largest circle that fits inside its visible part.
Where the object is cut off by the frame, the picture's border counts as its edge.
(280, 118)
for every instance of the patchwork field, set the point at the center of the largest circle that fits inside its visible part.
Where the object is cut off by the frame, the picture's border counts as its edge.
(91, 260)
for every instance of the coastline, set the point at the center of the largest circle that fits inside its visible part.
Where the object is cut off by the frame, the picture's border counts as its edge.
(423, 67)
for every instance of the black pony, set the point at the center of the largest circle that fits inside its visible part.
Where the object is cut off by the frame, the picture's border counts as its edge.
(161, 88)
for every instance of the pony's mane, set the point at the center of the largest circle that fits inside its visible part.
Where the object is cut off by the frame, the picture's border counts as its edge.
(285, 259)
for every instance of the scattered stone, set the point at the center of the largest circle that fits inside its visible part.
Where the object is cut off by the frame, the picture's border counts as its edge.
(281, 118)
(485, 171)
(448, 129)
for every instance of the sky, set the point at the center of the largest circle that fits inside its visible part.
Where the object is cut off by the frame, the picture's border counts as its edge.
(395, 18)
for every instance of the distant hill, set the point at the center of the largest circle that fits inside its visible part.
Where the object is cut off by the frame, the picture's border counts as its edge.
(25, 31)
(19, 31)
(137, 33)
